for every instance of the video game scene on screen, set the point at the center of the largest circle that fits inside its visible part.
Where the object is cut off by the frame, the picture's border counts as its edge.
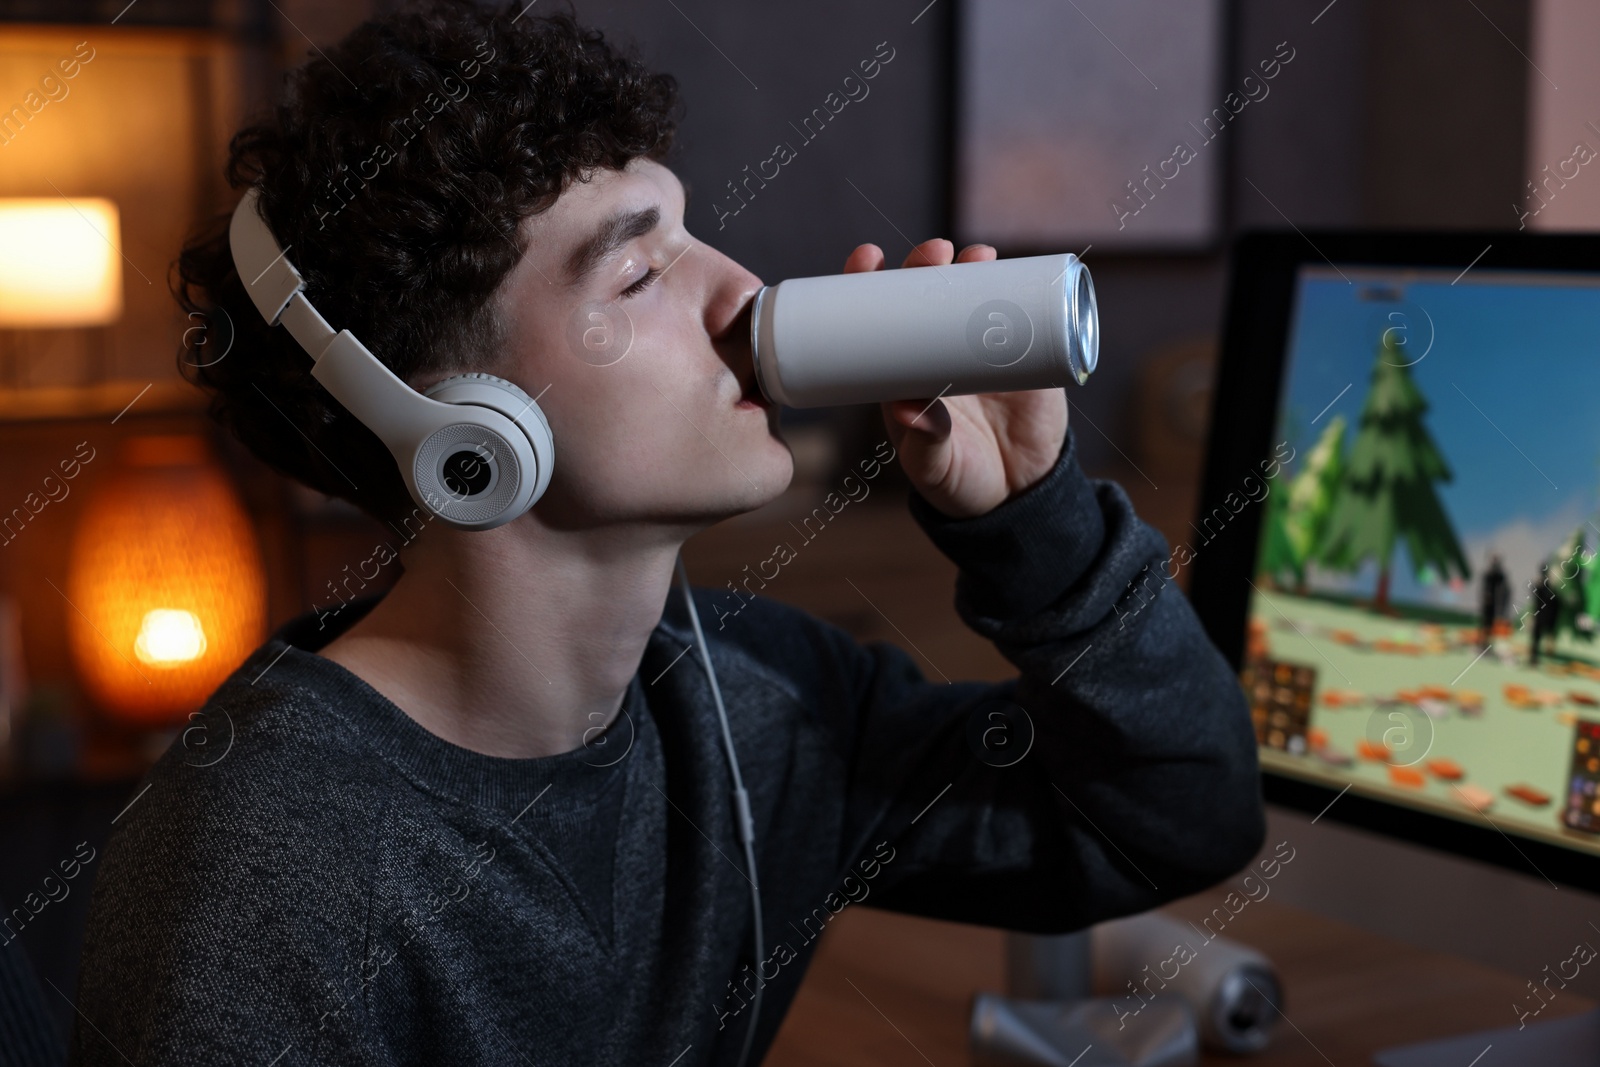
(1427, 591)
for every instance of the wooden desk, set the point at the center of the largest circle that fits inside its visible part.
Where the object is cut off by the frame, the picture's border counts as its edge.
(890, 989)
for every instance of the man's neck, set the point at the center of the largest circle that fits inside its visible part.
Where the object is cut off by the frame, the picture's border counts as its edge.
(514, 645)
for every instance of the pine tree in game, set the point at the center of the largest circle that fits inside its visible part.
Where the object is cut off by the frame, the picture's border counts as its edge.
(1568, 582)
(1311, 498)
(1386, 493)
(1279, 564)
(1589, 571)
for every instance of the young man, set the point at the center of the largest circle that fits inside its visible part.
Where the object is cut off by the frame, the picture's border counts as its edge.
(486, 818)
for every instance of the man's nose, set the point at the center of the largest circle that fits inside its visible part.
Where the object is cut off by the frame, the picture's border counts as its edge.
(730, 288)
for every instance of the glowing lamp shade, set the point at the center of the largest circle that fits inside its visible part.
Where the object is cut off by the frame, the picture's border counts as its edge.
(166, 583)
(60, 263)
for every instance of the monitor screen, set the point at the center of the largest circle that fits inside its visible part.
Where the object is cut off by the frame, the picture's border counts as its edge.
(1424, 616)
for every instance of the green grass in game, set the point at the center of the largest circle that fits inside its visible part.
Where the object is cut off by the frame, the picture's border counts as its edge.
(1524, 738)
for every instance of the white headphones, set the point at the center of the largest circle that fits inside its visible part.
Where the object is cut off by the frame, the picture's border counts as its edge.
(474, 449)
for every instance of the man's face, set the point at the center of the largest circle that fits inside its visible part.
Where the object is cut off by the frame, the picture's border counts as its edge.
(635, 339)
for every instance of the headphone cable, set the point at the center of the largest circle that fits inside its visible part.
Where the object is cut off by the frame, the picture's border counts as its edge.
(741, 803)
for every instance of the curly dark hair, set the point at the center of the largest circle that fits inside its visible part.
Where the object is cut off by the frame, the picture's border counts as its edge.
(398, 165)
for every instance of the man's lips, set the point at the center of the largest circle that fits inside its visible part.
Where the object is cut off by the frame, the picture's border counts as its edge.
(752, 398)
(750, 394)
(743, 364)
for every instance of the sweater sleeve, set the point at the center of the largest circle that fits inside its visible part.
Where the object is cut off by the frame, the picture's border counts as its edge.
(1117, 771)
(217, 926)
(27, 1036)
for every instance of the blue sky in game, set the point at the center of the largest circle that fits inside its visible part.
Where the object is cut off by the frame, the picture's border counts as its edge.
(1510, 365)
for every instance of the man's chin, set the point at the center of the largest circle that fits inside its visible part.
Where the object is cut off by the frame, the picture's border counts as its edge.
(770, 484)
(761, 484)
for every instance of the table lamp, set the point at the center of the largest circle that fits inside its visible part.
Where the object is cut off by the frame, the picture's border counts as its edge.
(60, 264)
(166, 582)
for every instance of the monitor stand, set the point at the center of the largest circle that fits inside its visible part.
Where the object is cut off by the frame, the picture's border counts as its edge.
(1050, 1018)
(1570, 1042)
(1049, 966)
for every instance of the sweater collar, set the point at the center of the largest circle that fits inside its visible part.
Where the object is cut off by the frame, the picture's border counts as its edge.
(506, 785)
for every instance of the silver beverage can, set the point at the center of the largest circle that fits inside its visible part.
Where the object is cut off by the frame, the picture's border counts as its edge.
(997, 326)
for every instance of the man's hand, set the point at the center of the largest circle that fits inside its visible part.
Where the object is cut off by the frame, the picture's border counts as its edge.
(968, 454)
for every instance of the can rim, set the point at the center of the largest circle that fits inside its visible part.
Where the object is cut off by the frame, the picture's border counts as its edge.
(755, 339)
(1083, 348)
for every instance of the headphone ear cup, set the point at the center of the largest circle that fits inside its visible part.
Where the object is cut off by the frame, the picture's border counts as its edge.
(467, 472)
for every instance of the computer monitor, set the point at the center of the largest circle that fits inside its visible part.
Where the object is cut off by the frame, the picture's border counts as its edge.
(1402, 489)
(1398, 540)
(1399, 536)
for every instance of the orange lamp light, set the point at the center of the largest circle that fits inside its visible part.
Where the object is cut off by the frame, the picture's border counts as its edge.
(60, 262)
(165, 582)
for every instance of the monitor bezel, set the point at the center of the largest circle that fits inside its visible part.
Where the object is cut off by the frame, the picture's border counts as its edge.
(1263, 270)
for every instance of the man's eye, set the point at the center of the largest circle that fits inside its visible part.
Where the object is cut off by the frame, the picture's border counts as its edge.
(643, 283)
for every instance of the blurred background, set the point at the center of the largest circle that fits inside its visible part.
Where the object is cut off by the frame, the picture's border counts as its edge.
(143, 554)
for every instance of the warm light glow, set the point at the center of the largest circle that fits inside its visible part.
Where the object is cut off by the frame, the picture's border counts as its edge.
(167, 638)
(60, 262)
(165, 582)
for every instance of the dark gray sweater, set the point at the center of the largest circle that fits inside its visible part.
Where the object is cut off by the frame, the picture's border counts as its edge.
(316, 879)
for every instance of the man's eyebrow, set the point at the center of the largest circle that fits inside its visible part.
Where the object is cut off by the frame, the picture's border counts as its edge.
(616, 231)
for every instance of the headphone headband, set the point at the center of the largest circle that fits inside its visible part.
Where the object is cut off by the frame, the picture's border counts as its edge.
(273, 279)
